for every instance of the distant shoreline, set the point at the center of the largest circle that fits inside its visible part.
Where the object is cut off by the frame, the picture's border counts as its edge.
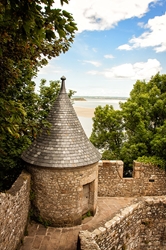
(78, 99)
(82, 98)
(86, 108)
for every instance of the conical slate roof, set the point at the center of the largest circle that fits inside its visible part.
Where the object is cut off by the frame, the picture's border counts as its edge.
(66, 145)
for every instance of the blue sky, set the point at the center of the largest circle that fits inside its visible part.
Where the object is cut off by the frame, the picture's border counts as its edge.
(118, 42)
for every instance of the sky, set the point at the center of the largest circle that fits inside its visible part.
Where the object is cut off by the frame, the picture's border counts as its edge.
(118, 42)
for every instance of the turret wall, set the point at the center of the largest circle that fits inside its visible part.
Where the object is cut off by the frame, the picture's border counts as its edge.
(62, 196)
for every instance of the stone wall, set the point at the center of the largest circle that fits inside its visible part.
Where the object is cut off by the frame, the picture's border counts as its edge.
(59, 193)
(147, 180)
(14, 208)
(139, 226)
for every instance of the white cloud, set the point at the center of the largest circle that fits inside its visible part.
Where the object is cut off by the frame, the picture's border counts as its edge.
(144, 70)
(125, 47)
(154, 36)
(123, 71)
(94, 63)
(99, 15)
(139, 70)
(109, 56)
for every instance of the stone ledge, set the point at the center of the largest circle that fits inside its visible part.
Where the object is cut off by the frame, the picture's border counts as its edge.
(129, 227)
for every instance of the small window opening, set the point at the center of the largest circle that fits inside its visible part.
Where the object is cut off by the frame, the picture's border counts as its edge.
(151, 180)
(127, 172)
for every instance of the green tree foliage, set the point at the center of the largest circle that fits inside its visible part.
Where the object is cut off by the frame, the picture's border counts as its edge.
(31, 32)
(142, 122)
(107, 133)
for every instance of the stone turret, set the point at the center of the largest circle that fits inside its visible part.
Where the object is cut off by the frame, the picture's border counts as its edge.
(64, 167)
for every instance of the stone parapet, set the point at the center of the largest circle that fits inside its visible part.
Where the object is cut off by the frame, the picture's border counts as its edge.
(147, 180)
(14, 208)
(139, 226)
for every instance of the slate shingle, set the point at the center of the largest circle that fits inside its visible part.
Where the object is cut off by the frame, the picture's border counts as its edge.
(66, 145)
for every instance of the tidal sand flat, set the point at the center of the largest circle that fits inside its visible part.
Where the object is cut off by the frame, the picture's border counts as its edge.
(84, 112)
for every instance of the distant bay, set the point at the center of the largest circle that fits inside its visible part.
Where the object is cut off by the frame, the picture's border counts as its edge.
(87, 105)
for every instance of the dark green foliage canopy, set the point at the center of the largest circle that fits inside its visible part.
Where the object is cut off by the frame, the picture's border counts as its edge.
(107, 132)
(140, 125)
(31, 32)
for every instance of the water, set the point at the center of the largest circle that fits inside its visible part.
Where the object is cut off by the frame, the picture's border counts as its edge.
(86, 122)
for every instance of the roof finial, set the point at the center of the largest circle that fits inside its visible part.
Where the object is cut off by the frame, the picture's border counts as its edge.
(63, 90)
